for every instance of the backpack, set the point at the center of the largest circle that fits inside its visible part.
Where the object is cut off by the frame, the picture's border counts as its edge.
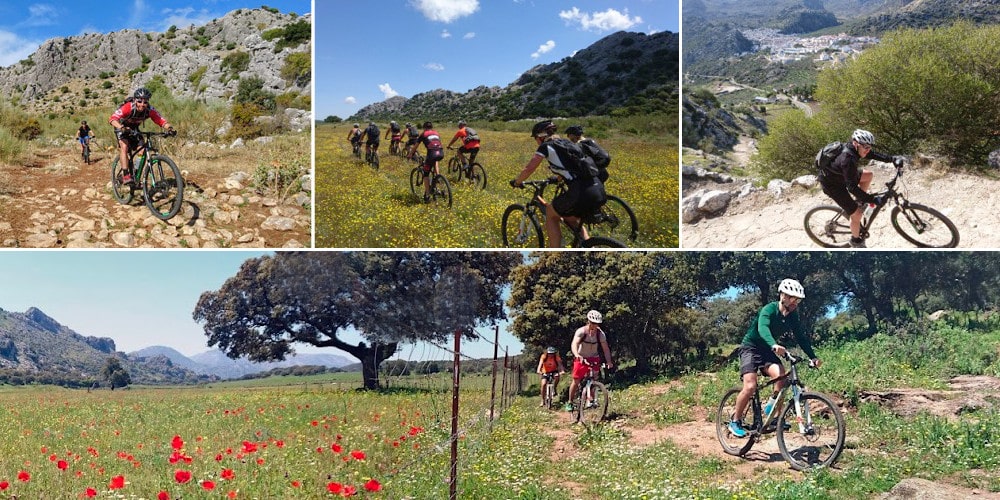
(601, 157)
(470, 135)
(826, 155)
(373, 131)
(577, 162)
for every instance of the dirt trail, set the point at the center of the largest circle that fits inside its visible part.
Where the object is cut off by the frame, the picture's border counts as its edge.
(59, 201)
(761, 220)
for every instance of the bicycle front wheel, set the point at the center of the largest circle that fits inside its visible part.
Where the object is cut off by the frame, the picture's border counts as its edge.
(455, 166)
(375, 160)
(601, 242)
(615, 220)
(828, 227)
(593, 408)
(924, 226)
(440, 190)
(520, 229)
(731, 444)
(163, 187)
(549, 395)
(122, 192)
(475, 176)
(417, 181)
(816, 438)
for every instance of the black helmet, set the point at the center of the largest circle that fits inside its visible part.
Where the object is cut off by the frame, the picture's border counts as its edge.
(142, 93)
(543, 128)
(428, 125)
(83, 122)
(575, 130)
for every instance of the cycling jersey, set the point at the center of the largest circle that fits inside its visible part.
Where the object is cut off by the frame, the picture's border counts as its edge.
(129, 116)
(550, 362)
(462, 134)
(770, 324)
(435, 150)
(844, 174)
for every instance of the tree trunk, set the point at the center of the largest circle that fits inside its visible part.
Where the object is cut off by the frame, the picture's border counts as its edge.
(371, 358)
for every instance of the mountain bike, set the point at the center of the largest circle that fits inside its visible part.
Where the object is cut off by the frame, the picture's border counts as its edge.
(356, 149)
(520, 226)
(371, 158)
(86, 152)
(591, 405)
(156, 175)
(394, 148)
(923, 226)
(810, 429)
(615, 219)
(550, 390)
(473, 175)
(440, 189)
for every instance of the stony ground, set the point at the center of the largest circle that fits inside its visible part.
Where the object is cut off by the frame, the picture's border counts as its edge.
(58, 201)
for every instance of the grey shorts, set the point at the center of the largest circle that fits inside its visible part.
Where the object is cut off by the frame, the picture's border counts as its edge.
(754, 358)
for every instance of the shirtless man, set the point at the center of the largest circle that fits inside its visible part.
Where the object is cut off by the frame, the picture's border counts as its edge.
(585, 349)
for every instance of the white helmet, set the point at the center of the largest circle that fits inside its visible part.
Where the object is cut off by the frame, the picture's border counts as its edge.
(864, 137)
(594, 317)
(792, 287)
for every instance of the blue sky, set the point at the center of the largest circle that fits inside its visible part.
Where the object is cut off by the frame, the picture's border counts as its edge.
(25, 26)
(365, 54)
(144, 298)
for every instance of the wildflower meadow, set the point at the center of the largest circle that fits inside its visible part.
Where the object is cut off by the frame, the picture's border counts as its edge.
(359, 207)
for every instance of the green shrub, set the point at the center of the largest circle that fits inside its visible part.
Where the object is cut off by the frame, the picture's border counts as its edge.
(298, 68)
(790, 148)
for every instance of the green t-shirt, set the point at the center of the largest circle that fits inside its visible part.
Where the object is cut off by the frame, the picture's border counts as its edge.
(770, 325)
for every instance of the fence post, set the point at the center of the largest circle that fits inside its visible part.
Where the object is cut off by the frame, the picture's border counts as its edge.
(456, 377)
(493, 385)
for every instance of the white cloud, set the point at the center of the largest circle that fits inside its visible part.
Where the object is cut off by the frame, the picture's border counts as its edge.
(387, 91)
(445, 11)
(543, 48)
(184, 17)
(434, 66)
(468, 36)
(445, 34)
(609, 20)
(41, 15)
(350, 99)
(14, 48)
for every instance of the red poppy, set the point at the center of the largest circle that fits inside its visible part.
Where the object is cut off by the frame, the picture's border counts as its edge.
(335, 488)
(260, 461)
(373, 485)
(349, 491)
(182, 476)
(62, 465)
(249, 447)
(163, 495)
(90, 493)
(227, 474)
(336, 448)
(231, 494)
(177, 443)
(117, 483)
(208, 485)
(23, 476)
(358, 455)
(296, 484)
(4, 485)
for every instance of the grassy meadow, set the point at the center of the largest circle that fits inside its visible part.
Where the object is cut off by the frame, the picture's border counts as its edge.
(357, 207)
(318, 437)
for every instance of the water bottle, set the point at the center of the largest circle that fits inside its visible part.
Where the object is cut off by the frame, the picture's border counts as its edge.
(142, 162)
(769, 405)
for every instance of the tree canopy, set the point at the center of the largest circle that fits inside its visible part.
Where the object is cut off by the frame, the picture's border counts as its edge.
(314, 298)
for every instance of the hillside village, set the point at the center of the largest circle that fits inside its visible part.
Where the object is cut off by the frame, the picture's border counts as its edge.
(784, 48)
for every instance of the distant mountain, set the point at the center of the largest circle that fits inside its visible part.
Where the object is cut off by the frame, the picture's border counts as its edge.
(217, 363)
(596, 80)
(34, 347)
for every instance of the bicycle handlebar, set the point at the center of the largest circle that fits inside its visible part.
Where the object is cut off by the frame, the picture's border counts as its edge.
(793, 359)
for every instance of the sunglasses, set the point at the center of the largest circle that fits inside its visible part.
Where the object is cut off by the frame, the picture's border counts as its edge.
(142, 101)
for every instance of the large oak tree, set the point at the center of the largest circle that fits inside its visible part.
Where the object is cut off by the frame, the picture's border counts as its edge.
(314, 298)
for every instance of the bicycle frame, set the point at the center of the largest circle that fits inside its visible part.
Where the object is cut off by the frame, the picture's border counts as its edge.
(796, 387)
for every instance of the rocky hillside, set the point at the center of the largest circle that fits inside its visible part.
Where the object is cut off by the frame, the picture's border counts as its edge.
(36, 348)
(928, 14)
(205, 62)
(597, 80)
(708, 126)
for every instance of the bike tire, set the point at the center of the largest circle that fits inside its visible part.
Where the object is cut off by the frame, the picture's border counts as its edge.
(477, 176)
(601, 242)
(454, 166)
(162, 187)
(595, 414)
(440, 190)
(616, 220)
(417, 181)
(122, 192)
(924, 226)
(732, 445)
(549, 396)
(518, 226)
(375, 160)
(828, 226)
(819, 441)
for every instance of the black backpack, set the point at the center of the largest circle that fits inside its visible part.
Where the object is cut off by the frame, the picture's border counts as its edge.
(601, 157)
(826, 155)
(577, 162)
(373, 132)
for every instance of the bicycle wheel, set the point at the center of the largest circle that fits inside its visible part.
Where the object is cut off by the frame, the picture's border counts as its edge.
(601, 242)
(817, 438)
(615, 220)
(440, 190)
(417, 181)
(549, 395)
(597, 408)
(375, 161)
(122, 192)
(454, 167)
(828, 227)
(731, 444)
(474, 175)
(924, 226)
(163, 187)
(520, 228)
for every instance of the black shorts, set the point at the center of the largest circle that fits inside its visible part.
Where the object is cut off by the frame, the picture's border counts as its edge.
(433, 155)
(841, 196)
(582, 198)
(373, 143)
(754, 358)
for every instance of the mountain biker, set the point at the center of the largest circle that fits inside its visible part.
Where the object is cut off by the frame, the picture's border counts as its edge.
(354, 135)
(435, 152)
(126, 121)
(760, 348)
(550, 362)
(412, 134)
(371, 138)
(601, 157)
(395, 132)
(584, 196)
(470, 143)
(83, 135)
(844, 179)
(586, 341)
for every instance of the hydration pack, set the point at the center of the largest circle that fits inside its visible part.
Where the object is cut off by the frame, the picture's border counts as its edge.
(826, 155)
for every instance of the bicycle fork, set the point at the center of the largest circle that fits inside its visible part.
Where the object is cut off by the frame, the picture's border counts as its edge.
(803, 419)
